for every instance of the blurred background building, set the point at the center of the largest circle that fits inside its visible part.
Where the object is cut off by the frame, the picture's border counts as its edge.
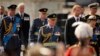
(61, 7)
(54, 6)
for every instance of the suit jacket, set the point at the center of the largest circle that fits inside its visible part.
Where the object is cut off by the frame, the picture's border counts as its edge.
(37, 23)
(69, 31)
(25, 25)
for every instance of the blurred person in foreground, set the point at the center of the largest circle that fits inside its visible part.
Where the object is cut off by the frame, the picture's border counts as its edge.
(38, 50)
(83, 33)
(60, 49)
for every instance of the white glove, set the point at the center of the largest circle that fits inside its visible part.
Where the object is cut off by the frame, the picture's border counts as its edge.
(22, 47)
(1, 49)
(31, 44)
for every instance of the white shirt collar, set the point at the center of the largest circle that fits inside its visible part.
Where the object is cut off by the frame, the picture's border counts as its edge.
(49, 26)
(77, 18)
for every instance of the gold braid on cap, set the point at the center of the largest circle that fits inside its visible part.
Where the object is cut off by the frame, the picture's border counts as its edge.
(7, 29)
(45, 35)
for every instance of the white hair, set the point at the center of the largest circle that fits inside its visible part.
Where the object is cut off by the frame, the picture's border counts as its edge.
(83, 30)
(20, 4)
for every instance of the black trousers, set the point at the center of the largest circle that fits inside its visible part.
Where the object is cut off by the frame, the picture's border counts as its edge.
(12, 52)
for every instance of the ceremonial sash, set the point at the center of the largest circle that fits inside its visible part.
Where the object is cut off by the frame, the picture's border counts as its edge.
(8, 36)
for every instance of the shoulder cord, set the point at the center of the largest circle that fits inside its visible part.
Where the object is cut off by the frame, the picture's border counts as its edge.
(47, 35)
(7, 30)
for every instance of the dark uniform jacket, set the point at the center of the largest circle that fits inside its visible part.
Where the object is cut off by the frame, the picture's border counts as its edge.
(47, 34)
(25, 25)
(37, 23)
(10, 29)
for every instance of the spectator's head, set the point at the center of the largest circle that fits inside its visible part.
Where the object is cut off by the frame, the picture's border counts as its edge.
(43, 13)
(52, 18)
(93, 8)
(2, 9)
(76, 10)
(12, 10)
(83, 32)
(21, 7)
(92, 21)
(82, 10)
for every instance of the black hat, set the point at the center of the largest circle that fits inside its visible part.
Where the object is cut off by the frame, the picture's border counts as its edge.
(13, 6)
(92, 17)
(93, 5)
(52, 16)
(43, 10)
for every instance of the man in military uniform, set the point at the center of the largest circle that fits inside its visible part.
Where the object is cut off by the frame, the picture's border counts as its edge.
(37, 23)
(93, 10)
(50, 33)
(2, 15)
(25, 23)
(10, 32)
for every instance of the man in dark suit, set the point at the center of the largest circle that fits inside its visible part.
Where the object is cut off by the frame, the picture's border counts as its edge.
(25, 24)
(93, 10)
(69, 30)
(37, 23)
(10, 29)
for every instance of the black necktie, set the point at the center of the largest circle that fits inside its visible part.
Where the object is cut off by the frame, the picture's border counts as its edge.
(22, 16)
(78, 19)
(12, 19)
